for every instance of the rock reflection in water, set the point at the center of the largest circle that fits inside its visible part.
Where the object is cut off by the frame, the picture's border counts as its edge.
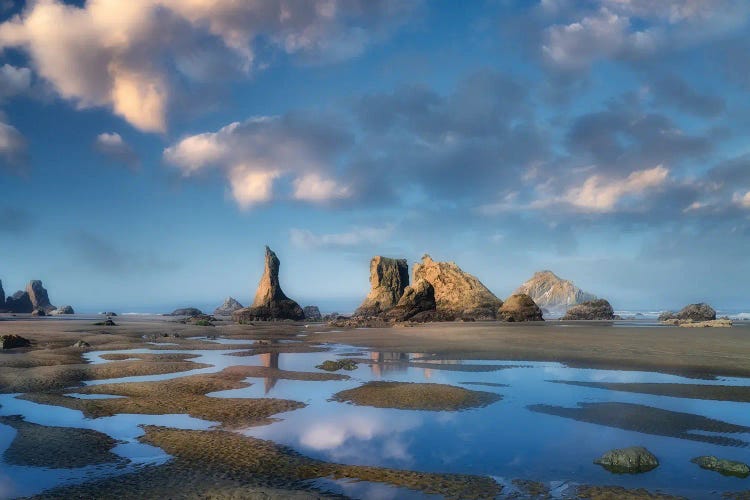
(270, 360)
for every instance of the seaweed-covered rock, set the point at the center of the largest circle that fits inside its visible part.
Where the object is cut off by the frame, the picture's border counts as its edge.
(339, 364)
(39, 296)
(19, 302)
(186, 311)
(598, 309)
(519, 307)
(12, 341)
(723, 466)
(417, 298)
(270, 301)
(633, 460)
(691, 312)
(62, 310)
(228, 307)
(388, 279)
(312, 313)
(457, 292)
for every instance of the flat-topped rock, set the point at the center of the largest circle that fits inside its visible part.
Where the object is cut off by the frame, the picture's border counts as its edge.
(723, 466)
(457, 292)
(228, 307)
(270, 301)
(388, 279)
(598, 309)
(519, 307)
(186, 311)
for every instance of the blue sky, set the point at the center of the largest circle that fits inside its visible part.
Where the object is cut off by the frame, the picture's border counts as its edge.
(149, 150)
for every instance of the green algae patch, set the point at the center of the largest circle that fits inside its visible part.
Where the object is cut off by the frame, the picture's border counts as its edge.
(340, 364)
(416, 396)
(57, 447)
(620, 493)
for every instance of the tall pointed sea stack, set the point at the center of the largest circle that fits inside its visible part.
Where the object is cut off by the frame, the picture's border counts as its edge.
(457, 292)
(388, 278)
(270, 301)
(39, 296)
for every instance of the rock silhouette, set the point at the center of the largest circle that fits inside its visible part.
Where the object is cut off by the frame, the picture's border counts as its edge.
(388, 279)
(519, 307)
(553, 293)
(270, 301)
(457, 292)
(19, 302)
(312, 313)
(2, 297)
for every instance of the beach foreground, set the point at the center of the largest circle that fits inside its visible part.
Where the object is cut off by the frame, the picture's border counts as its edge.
(157, 406)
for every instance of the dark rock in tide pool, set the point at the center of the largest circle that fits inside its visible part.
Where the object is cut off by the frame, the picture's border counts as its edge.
(185, 311)
(722, 466)
(19, 302)
(312, 313)
(519, 307)
(39, 296)
(62, 310)
(12, 341)
(339, 364)
(633, 460)
(598, 309)
(228, 307)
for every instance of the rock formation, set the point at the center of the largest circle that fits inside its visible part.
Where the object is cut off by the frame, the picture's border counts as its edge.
(38, 296)
(38, 312)
(553, 293)
(723, 466)
(691, 312)
(598, 309)
(628, 460)
(19, 302)
(186, 311)
(2, 296)
(456, 292)
(12, 341)
(63, 310)
(388, 278)
(270, 302)
(312, 313)
(228, 307)
(417, 298)
(519, 307)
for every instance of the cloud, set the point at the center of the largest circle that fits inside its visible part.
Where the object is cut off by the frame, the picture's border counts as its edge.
(676, 92)
(599, 194)
(112, 146)
(742, 200)
(12, 148)
(255, 153)
(131, 56)
(357, 236)
(14, 81)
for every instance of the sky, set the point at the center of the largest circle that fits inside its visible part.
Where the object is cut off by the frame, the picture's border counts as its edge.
(149, 150)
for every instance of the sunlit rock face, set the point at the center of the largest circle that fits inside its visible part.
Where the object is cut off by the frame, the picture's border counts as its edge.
(553, 293)
(388, 279)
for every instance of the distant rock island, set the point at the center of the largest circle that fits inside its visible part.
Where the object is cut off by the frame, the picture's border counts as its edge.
(553, 293)
(270, 301)
(228, 307)
(33, 300)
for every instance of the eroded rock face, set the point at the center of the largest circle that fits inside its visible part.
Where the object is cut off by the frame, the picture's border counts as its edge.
(598, 309)
(388, 279)
(312, 313)
(631, 460)
(519, 307)
(691, 312)
(19, 302)
(553, 293)
(39, 296)
(457, 292)
(228, 307)
(417, 298)
(270, 301)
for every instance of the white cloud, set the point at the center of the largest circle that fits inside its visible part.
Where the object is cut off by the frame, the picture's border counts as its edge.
(742, 200)
(357, 236)
(124, 55)
(255, 153)
(112, 145)
(600, 194)
(14, 80)
(12, 146)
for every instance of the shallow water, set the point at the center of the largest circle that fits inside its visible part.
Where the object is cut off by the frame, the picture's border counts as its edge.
(540, 430)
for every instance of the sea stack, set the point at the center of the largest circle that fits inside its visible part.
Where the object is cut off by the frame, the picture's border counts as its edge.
(388, 279)
(270, 301)
(2, 296)
(38, 296)
(228, 307)
(553, 293)
(457, 292)
(19, 302)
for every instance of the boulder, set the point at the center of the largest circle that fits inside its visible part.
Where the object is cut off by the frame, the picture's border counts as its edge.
(631, 460)
(12, 341)
(81, 344)
(228, 307)
(722, 466)
(456, 292)
(312, 313)
(598, 309)
(185, 311)
(270, 301)
(39, 296)
(417, 298)
(62, 310)
(691, 312)
(38, 312)
(553, 293)
(388, 279)
(19, 302)
(519, 307)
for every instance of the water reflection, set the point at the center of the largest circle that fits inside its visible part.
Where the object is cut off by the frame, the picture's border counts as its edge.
(270, 360)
